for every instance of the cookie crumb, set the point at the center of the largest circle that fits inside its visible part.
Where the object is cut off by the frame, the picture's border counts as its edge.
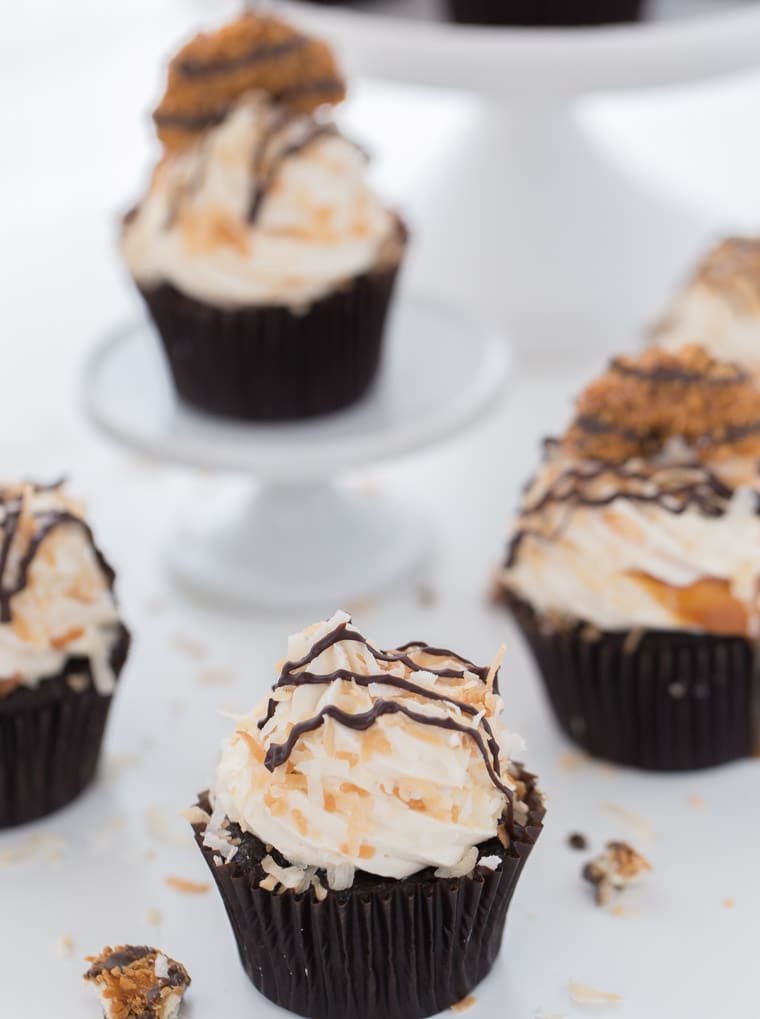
(136, 980)
(618, 867)
(576, 840)
(465, 1004)
(729, 903)
(696, 801)
(583, 995)
(153, 917)
(181, 884)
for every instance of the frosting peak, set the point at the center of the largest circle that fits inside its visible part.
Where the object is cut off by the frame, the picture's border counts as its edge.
(55, 588)
(383, 761)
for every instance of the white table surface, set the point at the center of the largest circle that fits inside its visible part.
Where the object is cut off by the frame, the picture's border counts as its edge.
(75, 142)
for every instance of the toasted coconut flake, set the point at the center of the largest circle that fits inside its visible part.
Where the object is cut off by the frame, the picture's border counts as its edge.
(465, 865)
(218, 675)
(465, 1004)
(64, 946)
(696, 801)
(495, 665)
(643, 827)
(182, 884)
(490, 862)
(583, 995)
(164, 828)
(729, 903)
(196, 815)
(188, 645)
(153, 917)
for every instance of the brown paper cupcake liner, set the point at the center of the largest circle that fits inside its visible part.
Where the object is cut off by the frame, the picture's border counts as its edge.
(269, 363)
(544, 12)
(661, 700)
(50, 738)
(383, 948)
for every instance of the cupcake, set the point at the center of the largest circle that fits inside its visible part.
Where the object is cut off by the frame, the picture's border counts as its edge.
(264, 258)
(544, 13)
(62, 648)
(366, 828)
(633, 564)
(719, 307)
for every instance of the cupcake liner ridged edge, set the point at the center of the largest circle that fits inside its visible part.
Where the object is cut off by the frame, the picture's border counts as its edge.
(269, 363)
(544, 12)
(51, 737)
(666, 700)
(405, 949)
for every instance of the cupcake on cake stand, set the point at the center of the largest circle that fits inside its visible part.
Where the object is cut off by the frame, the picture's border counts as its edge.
(565, 246)
(296, 537)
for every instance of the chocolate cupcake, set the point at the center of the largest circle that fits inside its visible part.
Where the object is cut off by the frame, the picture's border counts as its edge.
(264, 258)
(366, 828)
(544, 13)
(719, 307)
(62, 647)
(633, 564)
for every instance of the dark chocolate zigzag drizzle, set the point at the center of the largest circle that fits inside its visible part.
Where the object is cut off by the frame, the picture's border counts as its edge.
(705, 492)
(47, 522)
(278, 753)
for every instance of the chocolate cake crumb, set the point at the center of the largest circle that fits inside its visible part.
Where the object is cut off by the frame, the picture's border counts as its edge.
(137, 982)
(576, 840)
(619, 866)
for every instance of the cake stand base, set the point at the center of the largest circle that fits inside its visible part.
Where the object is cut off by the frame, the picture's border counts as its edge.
(290, 546)
(562, 246)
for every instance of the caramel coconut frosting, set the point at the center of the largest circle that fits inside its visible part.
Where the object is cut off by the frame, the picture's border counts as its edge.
(56, 599)
(646, 513)
(719, 307)
(385, 762)
(258, 198)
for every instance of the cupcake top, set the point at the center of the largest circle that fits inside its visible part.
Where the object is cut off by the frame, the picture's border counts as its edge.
(719, 307)
(646, 513)
(56, 598)
(258, 198)
(387, 762)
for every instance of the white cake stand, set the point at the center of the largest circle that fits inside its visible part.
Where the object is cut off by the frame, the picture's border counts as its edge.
(300, 539)
(567, 244)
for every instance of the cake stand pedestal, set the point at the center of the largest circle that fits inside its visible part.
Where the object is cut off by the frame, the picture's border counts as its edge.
(525, 216)
(294, 536)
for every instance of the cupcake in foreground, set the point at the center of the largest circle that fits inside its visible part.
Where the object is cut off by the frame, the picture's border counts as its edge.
(366, 828)
(62, 647)
(544, 13)
(634, 561)
(719, 307)
(137, 982)
(265, 260)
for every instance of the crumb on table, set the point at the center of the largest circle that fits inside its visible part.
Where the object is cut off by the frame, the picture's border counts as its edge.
(137, 980)
(619, 866)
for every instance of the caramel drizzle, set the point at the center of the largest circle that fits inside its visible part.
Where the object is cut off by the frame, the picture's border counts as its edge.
(279, 753)
(47, 521)
(706, 492)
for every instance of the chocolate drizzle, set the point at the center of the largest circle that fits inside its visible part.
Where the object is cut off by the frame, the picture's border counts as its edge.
(265, 178)
(296, 673)
(674, 488)
(46, 522)
(191, 68)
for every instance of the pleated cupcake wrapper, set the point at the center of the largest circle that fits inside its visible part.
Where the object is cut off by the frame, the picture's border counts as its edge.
(394, 950)
(544, 12)
(270, 363)
(661, 700)
(50, 740)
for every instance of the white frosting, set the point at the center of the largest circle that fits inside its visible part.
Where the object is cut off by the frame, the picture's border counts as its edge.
(391, 800)
(66, 609)
(319, 224)
(586, 562)
(725, 329)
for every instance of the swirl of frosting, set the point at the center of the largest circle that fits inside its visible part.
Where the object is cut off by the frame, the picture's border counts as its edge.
(646, 514)
(56, 598)
(719, 307)
(386, 762)
(256, 52)
(642, 402)
(270, 207)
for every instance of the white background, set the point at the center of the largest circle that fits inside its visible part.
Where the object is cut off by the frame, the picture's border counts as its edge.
(77, 81)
